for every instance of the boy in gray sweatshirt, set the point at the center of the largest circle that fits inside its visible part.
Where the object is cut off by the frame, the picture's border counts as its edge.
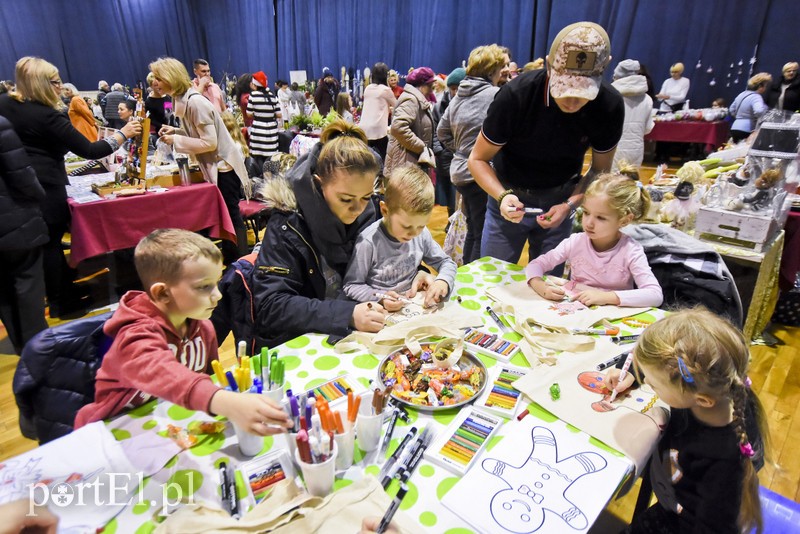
(389, 251)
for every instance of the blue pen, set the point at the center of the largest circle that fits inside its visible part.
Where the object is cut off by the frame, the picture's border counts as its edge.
(231, 381)
(258, 385)
(295, 411)
(308, 414)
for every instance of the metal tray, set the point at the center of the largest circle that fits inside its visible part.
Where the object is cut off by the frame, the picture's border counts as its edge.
(466, 359)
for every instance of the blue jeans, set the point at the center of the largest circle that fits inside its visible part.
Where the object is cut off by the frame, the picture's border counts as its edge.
(504, 240)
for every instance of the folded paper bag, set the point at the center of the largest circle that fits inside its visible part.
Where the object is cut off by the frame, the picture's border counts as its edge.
(288, 510)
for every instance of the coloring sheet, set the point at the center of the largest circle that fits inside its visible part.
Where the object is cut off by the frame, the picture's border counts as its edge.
(541, 478)
(71, 475)
(413, 308)
(568, 315)
(631, 425)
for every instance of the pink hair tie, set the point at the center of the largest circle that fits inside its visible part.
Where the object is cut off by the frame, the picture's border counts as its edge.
(747, 382)
(746, 449)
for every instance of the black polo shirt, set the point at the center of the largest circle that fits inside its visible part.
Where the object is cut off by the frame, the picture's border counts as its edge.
(542, 146)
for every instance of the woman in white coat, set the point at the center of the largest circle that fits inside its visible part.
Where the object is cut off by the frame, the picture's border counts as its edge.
(638, 113)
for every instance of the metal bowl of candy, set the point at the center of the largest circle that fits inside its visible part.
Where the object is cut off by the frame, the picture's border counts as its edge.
(416, 380)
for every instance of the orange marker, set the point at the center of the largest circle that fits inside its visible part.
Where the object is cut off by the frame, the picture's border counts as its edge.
(356, 406)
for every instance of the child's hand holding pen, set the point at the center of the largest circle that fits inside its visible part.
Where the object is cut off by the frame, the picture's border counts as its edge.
(546, 288)
(369, 525)
(392, 301)
(612, 381)
(255, 413)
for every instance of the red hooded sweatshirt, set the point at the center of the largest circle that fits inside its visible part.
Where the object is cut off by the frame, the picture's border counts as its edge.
(148, 358)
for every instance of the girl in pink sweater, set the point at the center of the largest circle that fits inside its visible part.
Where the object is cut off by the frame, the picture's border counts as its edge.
(605, 264)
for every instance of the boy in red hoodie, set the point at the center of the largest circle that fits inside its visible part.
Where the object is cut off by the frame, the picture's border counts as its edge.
(163, 343)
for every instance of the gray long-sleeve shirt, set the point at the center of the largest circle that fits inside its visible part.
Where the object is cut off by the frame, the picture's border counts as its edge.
(380, 263)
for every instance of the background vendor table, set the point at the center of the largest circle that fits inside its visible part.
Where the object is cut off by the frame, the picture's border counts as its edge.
(115, 224)
(311, 361)
(711, 134)
(790, 260)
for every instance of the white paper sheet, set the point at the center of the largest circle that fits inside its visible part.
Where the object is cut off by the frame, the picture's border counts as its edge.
(541, 478)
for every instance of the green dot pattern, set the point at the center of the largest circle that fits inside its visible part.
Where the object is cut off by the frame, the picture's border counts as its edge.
(149, 425)
(120, 434)
(428, 519)
(298, 343)
(147, 528)
(471, 305)
(326, 363)
(179, 413)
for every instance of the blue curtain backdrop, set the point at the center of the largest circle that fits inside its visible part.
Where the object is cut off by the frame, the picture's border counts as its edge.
(116, 39)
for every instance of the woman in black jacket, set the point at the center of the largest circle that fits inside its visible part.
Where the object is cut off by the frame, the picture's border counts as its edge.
(785, 91)
(35, 110)
(318, 212)
(22, 234)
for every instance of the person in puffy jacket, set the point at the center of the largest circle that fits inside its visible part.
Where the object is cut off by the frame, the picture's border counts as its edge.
(411, 139)
(638, 113)
(459, 128)
(22, 234)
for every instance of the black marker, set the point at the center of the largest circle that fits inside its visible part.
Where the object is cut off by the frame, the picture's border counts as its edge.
(228, 489)
(610, 362)
(387, 518)
(385, 474)
(625, 339)
(416, 456)
(387, 437)
(496, 319)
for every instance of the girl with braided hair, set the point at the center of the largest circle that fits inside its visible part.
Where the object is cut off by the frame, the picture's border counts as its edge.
(704, 468)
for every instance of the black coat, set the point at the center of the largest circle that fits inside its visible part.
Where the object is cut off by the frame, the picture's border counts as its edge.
(289, 286)
(47, 135)
(21, 223)
(55, 376)
(791, 99)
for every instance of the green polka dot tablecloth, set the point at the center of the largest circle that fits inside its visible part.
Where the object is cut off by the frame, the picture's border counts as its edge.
(311, 361)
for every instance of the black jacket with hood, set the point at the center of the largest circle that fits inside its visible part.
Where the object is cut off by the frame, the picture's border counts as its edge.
(288, 282)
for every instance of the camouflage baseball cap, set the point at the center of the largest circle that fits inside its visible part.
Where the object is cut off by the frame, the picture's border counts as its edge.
(578, 57)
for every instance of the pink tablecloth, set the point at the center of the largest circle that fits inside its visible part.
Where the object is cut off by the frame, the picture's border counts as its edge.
(107, 225)
(711, 134)
(790, 261)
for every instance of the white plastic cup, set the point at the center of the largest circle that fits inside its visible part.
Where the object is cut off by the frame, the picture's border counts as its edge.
(368, 426)
(249, 444)
(319, 477)
(291, 443)
(275, 395)
(345, 443)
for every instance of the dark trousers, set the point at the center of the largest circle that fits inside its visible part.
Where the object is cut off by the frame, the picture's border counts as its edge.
(474, 206)
(22, 295)
(62, 296)
(738, 135)
(445, 191)
(230, 186)
(380, 146)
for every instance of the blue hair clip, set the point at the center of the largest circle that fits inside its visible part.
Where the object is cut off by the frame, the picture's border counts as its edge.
(685, 374)
(639, 184)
